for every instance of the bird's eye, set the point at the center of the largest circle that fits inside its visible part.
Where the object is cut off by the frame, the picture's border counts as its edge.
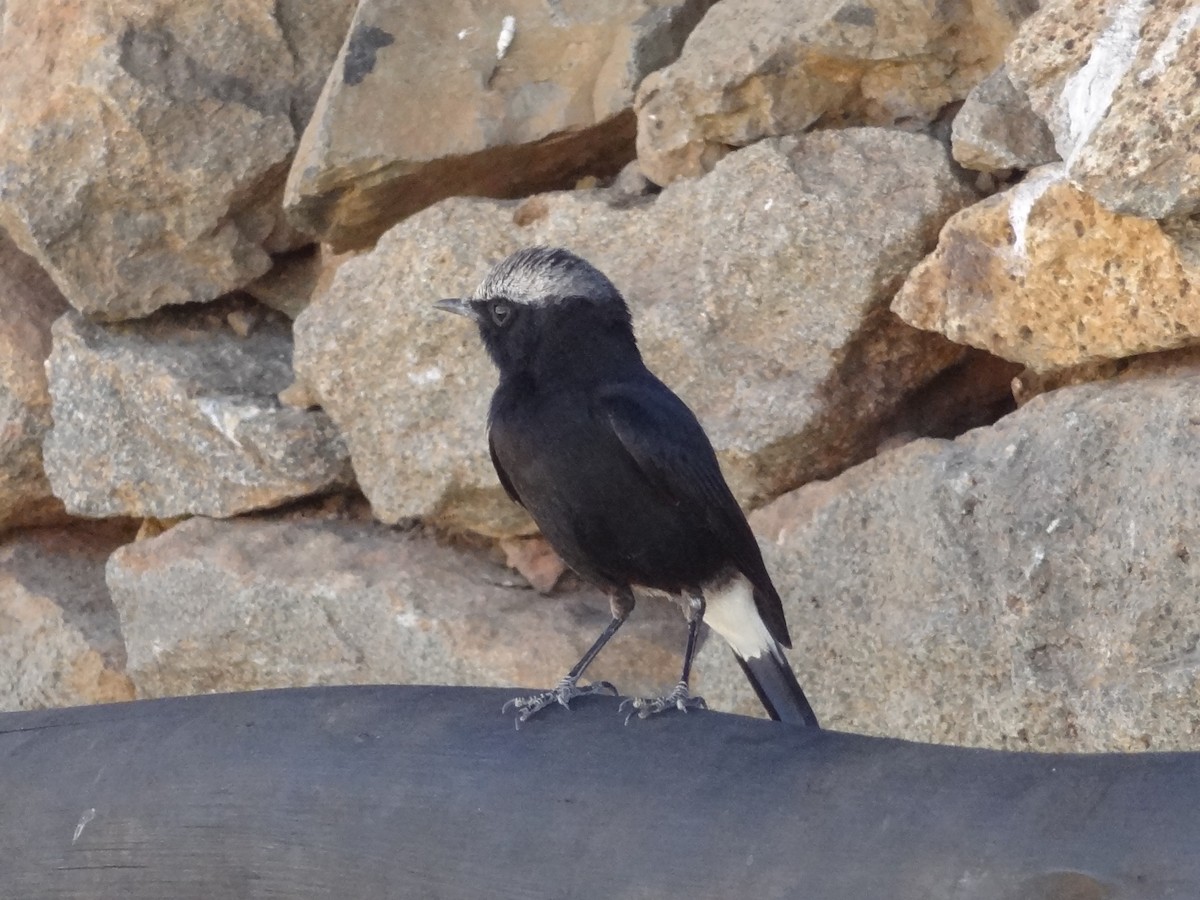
(501, 311)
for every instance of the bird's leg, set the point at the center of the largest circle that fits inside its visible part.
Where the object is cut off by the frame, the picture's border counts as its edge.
(678, 698)
(621, 603)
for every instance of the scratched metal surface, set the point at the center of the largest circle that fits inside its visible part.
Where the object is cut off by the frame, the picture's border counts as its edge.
(363, 792)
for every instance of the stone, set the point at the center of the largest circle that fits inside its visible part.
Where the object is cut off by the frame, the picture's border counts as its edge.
(758, 68)
(29, 304)
(1030, 384)
(759, 293)
(1044, 275)
(554, 105)
(253, 603)
(145, 145)
(536, 560)
(294, 278)
(974, 392)
(1030, 585)
(1116, 82)
(997, 130)
(177, 415)
(60, 637)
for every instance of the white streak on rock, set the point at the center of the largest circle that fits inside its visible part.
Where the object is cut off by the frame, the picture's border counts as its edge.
(508, 28)
(226, 417)
(88, 815)
(1087, 94)
(432, 375)
(1021, 204)
(1169, 48)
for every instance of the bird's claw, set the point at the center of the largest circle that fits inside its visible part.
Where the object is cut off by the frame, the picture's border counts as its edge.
(562, 693)
(679, 698)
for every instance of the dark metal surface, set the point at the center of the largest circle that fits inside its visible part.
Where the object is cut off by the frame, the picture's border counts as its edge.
(365, 792)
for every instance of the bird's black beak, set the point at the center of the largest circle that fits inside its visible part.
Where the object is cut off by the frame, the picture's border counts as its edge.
(459, 307)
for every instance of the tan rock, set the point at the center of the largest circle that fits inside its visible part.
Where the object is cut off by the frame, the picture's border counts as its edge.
(145, 144)
(177, 415)
(253, 603)
(756, 68)
(29, 304)
(1030, 384)
(461, 121)
(60, 638)
(759, 293)
(1116, 82)
(536, 560)
(1045, 276)
(1026, 586)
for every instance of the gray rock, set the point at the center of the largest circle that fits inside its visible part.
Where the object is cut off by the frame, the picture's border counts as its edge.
(251, 603)
(757, 68)
(178, 415)
(293, 278)
(759, 293)
(29, 304)
(145, 148)
(60, 638)
(997, 130)
(1116, 83)
(1030, 585)
(459, 120)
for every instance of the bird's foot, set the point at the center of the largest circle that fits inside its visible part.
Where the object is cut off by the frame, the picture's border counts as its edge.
(564, 692)
(679, 698)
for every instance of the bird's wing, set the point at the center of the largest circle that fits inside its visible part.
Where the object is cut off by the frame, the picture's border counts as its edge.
(672, 451)
(505, 481)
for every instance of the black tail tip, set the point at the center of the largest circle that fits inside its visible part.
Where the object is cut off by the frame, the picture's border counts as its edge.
(777, 689)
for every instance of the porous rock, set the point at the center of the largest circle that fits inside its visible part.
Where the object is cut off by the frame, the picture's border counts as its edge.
(758, 292)
(463, 116)
(177, 415)
(1046, 276)
(145, 144)
(1115, 80)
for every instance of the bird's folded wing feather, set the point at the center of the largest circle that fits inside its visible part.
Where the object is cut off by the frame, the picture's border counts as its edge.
(671, 449)
(505, 481)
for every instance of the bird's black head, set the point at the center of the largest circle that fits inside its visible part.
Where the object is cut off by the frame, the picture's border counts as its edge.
(545, 308)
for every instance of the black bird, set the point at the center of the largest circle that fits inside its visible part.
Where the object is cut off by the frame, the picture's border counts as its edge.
(618, 474)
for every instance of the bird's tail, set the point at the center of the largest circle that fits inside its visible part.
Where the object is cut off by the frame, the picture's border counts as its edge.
(733, 611)
(777, 688)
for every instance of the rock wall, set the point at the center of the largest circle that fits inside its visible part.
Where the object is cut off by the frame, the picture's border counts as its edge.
(929, 273)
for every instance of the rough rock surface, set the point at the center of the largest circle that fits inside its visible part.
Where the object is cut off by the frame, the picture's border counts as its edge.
(785, 257)
(145, 145)
(29, 304)
(232, 605)
(294, 278)
(1116, 82)
(557, 105)
(756, 68)
(178, 415)
(1030, 384)
(997, 130)
(1045, 276)
(1030, 585)
(60, 638)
